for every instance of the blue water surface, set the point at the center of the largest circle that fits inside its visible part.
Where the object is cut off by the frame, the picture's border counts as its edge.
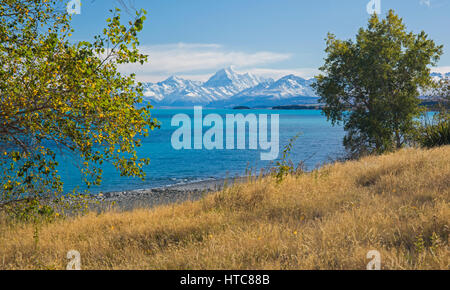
(319, 143)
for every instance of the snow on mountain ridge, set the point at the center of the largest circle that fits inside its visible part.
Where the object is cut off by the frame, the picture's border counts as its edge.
(286, 87)
(176, 91)
(231, 79)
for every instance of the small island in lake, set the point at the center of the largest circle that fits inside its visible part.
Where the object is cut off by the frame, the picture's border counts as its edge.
(299, 107)
(241, 108)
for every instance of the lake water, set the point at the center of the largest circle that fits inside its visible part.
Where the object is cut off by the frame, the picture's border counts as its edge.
(318, 143)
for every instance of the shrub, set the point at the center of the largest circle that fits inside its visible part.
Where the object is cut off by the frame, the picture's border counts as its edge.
(435, 135)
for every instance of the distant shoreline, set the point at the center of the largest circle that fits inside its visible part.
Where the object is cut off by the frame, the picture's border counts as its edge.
(150, 197)
(299, 107)
(429, 104)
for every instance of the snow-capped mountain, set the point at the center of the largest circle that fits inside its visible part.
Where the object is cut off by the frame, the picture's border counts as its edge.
(438, 76)
(286, 87)
(228, 88)
(289, 90)
(228, 78)
(170, 88)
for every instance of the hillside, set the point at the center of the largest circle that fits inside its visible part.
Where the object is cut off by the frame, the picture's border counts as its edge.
(397, 204)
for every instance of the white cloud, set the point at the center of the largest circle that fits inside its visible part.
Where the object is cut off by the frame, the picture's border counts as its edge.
(441, 69)
(196, 59)
(199, 61)
(425, 2)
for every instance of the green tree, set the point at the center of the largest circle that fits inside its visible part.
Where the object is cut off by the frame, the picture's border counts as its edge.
(442, 93)
(372, 85)
(436, 132)
(65, 96)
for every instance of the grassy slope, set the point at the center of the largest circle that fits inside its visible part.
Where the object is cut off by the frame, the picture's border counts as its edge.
(397, 204)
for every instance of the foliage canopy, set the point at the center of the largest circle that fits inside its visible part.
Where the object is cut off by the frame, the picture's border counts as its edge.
(59, 95)
(372, 85)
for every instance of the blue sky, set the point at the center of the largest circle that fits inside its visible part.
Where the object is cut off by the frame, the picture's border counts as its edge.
(195, 38)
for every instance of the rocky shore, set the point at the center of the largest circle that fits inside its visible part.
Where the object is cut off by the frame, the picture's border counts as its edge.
(144, 198)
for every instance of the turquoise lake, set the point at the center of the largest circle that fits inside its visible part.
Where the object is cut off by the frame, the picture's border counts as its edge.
(319, 143)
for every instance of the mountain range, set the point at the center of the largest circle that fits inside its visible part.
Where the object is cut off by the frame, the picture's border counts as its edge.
(440, 75)
(227, 89)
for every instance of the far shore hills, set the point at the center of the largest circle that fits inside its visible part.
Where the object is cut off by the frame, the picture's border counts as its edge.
(430, 104)
(286, 107)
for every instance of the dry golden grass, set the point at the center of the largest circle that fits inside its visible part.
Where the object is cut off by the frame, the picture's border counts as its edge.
(397, 204)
